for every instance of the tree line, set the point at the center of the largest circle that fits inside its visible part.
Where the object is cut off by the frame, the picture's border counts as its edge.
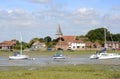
(95, 35)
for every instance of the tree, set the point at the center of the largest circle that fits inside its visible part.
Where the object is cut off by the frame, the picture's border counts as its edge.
(24, 45)
(47, 39)
(33, 40)
(98, 34)
(116, 37)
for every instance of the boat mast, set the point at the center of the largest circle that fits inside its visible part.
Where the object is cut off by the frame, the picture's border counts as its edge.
(105, 36)
(20, 43)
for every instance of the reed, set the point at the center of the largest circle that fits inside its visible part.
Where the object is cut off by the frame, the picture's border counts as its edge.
(64, 72)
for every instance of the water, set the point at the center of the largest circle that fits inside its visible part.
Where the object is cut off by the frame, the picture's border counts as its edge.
(45, 61)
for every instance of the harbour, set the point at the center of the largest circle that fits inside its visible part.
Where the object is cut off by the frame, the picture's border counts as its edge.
(48, 61)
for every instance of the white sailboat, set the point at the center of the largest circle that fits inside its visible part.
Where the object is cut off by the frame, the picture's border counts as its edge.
(103, 54)
(17, 55)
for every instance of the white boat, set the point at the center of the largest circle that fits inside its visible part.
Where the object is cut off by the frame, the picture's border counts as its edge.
(103, 54)
(58, 56)
(19, 56)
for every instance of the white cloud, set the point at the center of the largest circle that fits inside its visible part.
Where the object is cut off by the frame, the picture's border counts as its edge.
(113, 20)
(44, 22)
(40, 1)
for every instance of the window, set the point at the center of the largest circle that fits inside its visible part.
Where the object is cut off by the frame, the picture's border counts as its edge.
(73, 46)
(78, 46)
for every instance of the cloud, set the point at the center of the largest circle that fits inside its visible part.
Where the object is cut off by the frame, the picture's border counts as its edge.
(16, 17)
(82, 17)
(40, 1)
(116, 8)
(45, 22)
(113, 20)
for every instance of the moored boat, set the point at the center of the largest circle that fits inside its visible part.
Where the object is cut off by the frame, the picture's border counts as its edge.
(58, 56)
(19, 56)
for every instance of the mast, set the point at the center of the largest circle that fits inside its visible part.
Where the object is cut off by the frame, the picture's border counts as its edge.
(105, 37)
(20, 43)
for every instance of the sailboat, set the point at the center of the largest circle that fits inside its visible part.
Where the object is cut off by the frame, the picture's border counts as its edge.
(103, 53)
(19, 55)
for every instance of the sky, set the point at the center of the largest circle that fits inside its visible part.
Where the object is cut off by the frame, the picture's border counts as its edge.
(40, 18)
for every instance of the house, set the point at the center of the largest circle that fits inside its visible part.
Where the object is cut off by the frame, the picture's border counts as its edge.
(112, 44)
(89, 44)
(70, 42)
(38, 46)
(7, 45)
(77, 44)
(62, 45)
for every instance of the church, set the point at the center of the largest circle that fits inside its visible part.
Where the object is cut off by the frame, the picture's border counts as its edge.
(68, 42)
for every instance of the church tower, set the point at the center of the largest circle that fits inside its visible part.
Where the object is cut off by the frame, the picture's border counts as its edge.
(59, 32)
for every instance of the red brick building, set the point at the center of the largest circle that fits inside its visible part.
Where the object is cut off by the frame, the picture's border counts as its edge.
(7, 45)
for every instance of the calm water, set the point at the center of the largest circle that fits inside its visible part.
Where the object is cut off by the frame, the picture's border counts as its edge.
(45, 61)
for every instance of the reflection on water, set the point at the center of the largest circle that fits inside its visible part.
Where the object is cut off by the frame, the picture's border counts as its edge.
(45, 61)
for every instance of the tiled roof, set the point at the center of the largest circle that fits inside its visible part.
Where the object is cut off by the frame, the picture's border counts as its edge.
(78, 41)
(68, 38)
(7, 43)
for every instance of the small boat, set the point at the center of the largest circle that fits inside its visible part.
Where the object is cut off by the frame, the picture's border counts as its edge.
(19, 55)
(103, 55)
(58, 56)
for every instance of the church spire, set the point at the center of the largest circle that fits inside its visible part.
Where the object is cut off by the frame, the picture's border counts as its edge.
(59, 32)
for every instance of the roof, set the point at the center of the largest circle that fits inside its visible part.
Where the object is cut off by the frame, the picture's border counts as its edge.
(78, 41)
(7, 43)
(69, 38)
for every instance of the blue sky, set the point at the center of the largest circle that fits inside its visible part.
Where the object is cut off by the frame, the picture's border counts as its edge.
(40, 18)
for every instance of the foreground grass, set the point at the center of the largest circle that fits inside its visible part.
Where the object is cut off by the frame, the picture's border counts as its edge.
(66, 72)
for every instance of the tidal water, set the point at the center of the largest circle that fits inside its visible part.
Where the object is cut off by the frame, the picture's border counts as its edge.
(46, 60)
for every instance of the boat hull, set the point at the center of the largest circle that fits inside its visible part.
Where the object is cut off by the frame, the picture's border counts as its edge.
(105, 56)
(59, 57)
(109, 57)
(18, 57)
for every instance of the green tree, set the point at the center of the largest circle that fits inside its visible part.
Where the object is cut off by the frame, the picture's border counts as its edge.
(116, 37)
(98, 34)
(33, 40)
(47, 39)
(24, 45)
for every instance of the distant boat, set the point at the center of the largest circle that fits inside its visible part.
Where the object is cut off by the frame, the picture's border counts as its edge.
(58, 56)
(19, 55)
(103, 54)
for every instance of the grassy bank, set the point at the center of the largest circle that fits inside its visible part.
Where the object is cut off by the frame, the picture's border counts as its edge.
(51, 53)
(65, 72)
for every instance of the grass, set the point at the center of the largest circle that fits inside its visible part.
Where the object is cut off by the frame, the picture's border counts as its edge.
(64, 72)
